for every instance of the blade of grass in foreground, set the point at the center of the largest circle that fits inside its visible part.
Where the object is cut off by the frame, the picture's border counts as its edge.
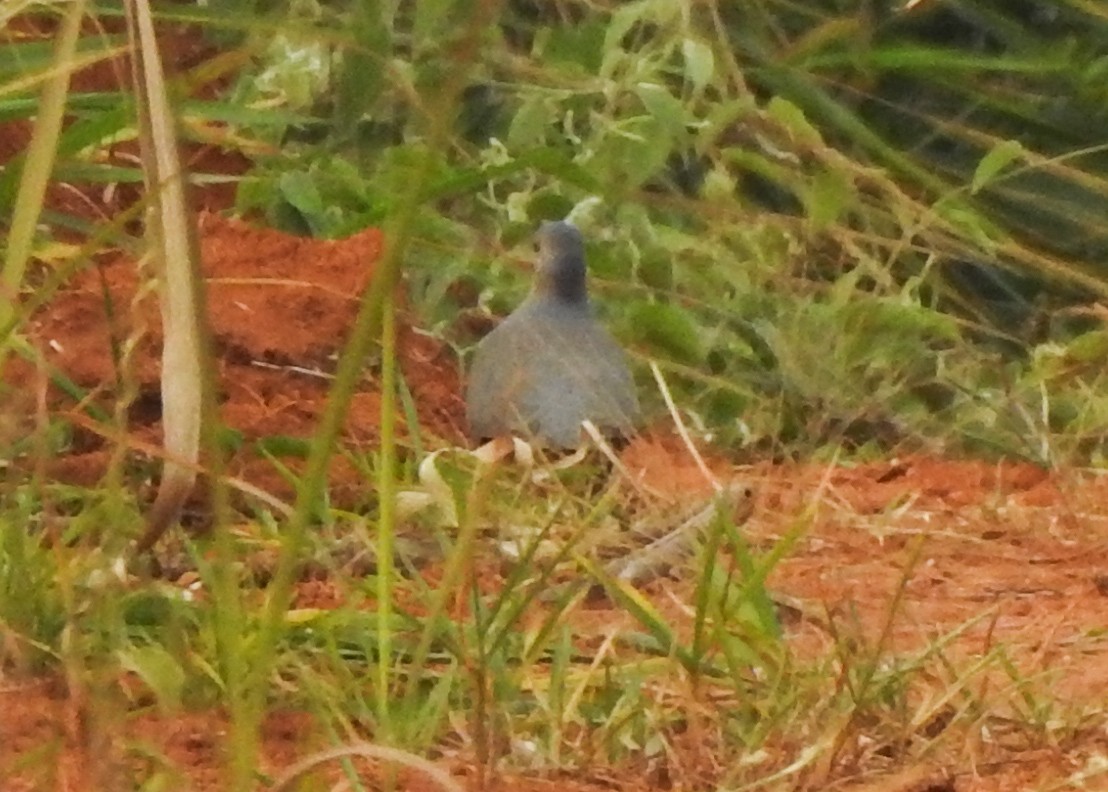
(368, 324)
(171, 231)
(189, 415)
(38, 165)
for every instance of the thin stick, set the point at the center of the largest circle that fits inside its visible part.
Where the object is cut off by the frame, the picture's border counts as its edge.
(681, 429)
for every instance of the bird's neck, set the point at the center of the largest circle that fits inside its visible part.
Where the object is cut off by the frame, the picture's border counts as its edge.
(569, 293)
(564, 282)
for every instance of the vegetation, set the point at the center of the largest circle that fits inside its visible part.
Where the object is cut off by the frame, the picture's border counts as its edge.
(835, 228)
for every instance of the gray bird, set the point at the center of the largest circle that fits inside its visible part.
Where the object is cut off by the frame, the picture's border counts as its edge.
(550, 365)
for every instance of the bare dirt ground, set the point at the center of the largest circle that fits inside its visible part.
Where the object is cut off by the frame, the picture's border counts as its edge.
(1005, 555)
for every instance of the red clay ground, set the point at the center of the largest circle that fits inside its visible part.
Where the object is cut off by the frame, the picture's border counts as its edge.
(1020, 545)
(279, 308)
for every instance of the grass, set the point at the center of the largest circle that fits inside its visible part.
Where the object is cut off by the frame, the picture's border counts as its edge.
(752, 230)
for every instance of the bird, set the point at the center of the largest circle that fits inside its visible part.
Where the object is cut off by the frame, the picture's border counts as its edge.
(551, 365)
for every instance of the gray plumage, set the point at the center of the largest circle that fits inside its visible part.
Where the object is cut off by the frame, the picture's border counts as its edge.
(550, 365)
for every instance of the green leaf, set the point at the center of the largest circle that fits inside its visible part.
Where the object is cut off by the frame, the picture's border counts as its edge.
(528, 127)
(285, 446)
(623, 20)
(300, 191)
(360, 78)
(718, 186)
(663, 107)
(158, 669)
(794, 120)
(434, 20)
(240, 115)
(667, 329)
(772, 170)
(580, 46)
(1088, 347)
(1002, 155)
(969, 223)
(830, 194)
(635, 155)
(700, 63)
(230, 439)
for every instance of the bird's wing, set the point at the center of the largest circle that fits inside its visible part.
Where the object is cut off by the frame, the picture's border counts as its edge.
(495, 381)
(543, 371)
(580, 373)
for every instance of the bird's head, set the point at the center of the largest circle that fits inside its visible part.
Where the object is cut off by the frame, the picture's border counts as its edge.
(560, 271)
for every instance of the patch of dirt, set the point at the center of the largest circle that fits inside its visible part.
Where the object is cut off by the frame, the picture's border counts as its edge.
(280, 308)
(1007, 554)
(890, 559)
(186, 751)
